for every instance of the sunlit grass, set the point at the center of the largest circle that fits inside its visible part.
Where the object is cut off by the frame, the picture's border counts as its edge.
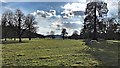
(58, 52)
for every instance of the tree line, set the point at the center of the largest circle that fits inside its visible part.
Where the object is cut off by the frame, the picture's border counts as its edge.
(96, 24)
(15, 24)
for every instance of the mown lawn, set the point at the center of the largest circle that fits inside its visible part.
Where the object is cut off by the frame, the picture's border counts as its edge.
(57, 52)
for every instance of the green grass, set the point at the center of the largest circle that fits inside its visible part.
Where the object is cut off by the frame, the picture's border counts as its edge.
(48, 52)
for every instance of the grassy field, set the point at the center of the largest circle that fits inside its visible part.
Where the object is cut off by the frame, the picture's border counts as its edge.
(57, 52)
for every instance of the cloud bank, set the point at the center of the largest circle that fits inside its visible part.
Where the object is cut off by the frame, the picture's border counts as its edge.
(50, 21)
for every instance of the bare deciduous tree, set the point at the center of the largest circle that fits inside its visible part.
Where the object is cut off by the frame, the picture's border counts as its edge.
(30, 24)
(6, 21)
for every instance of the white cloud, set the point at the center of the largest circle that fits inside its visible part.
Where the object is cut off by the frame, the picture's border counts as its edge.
(45, 14)
(78, 6)
(74, 21)
(48, 21)
(73, 9)
(112, 7)
(70, 8)
(45, 20)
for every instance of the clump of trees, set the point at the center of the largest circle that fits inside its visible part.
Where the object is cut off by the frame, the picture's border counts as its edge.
(98, 25)
(75, 35)
(15, 24)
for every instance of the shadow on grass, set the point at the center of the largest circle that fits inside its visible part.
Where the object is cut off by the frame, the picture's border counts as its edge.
(105, 52)
(13, 42)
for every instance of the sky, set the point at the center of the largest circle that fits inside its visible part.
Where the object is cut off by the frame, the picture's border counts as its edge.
(53, 15)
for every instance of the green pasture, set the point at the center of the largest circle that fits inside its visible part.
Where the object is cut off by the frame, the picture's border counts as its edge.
(58, 52)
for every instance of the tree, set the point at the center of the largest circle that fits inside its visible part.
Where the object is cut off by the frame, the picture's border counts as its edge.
(75, 35)
(112, 31)
(14, 25)
(30, 24)
(64, 33)
(19, 24)
(4, 21)
(91, 26)
(75, 32)
(7, 20)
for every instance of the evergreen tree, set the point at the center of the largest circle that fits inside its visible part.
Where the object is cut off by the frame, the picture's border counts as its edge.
(94, 22)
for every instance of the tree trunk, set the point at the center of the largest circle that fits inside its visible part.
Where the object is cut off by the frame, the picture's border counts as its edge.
(29, 38)
(63, 37)
(95, 17)
(20, 39)
(19, 28)
(29, 33)
(5, 39)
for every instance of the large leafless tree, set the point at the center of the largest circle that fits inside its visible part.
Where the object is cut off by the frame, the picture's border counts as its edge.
(6, 21)
(30, 24)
